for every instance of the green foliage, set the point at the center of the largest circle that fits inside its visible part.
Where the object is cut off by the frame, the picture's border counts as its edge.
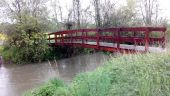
(62, 91)
(48, 89)
(27, 42)
(27, 49)
(91, 84)
(128, 75)
(1, 49)
(168, 32)
(7, 53)
(139, 75)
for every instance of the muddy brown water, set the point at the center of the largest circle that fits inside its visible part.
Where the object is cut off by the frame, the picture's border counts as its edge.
(15, 80)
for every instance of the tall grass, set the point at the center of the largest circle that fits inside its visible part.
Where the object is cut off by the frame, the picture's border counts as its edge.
(128, 75)
(48, 89)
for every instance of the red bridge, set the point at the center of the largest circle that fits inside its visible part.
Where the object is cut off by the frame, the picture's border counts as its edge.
(126, 39)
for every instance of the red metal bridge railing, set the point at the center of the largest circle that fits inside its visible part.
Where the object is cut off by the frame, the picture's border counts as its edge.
(92, 38)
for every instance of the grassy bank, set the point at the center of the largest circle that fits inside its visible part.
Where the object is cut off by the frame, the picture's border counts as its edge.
(128, 75)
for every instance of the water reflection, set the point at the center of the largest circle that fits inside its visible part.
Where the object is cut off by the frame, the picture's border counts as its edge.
(16, 79)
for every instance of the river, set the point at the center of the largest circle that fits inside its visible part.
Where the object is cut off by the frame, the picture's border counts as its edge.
(17, 79)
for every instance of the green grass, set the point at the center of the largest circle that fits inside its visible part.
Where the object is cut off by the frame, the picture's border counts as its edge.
(48, 89)
(128, 75)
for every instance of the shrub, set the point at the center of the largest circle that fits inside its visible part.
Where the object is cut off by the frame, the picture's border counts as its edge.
(48, 89)
(26, 43)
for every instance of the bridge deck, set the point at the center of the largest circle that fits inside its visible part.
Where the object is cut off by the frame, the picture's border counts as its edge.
(122, 46)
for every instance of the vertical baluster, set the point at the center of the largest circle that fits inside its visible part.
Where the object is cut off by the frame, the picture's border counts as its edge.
(134, 39)
(49, 38)
(62, 40)
(83, 37)
(118, 39)
(164, 40)
(86, 34)
(114, 35)
(98, 38)
(71, 36)
(76, 37)
(55, 38)
(147, 32)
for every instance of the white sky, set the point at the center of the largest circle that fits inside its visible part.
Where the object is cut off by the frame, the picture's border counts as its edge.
(164, 6)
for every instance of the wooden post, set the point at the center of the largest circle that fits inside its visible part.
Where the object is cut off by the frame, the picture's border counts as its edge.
(147, 40)
(55, 38)
(82, 37)
(49, 38)
(164, 40)
(62, 40)
(134, 34)
(98, 38)
(118, 39)
(114, 34)
(76, 36)
(86, 36)
(134, 39)
(71, 37)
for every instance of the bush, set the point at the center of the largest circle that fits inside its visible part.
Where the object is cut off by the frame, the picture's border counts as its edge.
(48, 89)
(27, 43)
(29, 52)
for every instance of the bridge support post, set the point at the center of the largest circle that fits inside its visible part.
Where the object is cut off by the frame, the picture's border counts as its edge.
(163, 40)
(134, 39)
(62, 40)
(55, 39)
(83, 37)
(98, 38)
(118, 39)
(147, 39)
(49, 38)
(71, 37)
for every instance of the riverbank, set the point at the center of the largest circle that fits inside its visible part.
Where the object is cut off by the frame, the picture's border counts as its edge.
(128, 75)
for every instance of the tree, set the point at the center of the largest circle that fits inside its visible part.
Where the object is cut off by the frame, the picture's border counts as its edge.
(113, 16)
(149, 10)
(96, 4)
(77, 8)
(26, 42)
(107, 12)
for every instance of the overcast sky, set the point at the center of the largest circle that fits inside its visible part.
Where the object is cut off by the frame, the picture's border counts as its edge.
(164, 6)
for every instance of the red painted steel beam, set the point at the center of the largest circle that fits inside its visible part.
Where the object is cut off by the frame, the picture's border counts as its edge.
(114, 29)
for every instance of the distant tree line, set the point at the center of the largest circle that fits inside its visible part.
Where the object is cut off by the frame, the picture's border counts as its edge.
(98, 14)
(107, 13)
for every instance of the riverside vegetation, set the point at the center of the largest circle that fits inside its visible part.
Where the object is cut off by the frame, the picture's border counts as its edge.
(127, 75)
(27, 43)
